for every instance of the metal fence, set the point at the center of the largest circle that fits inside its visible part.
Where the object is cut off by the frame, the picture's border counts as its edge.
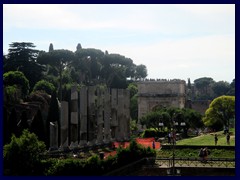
(192, 162)
(167, 163)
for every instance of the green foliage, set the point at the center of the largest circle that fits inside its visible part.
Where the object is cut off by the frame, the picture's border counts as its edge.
(22, 57)
(220, 88)
(44, 85)
(93, 166)
(231, 91)
(149, 133)
(220, 111)
(50, 47)
(66, 167)
(132, 87)
(208, 139)
(133, 125)
(11, 94)
(37, 126)
(203, 86)
(22, 154)
(141, 71)
(16, 78)
(193, 153)
(133, 153)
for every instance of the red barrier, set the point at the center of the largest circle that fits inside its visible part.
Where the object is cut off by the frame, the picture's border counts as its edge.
(146, 142)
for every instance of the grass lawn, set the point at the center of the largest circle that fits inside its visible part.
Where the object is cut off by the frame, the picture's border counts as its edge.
(208, 139)
(204, 141)
(193, 153)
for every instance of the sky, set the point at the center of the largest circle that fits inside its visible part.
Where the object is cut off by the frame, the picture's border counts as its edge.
(173, 41)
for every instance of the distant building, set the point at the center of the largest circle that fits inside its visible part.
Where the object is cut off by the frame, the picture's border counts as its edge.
(160, 93)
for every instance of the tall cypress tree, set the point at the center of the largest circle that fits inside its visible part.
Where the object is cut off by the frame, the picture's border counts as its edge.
(53, 115)
(50, 47)
(37, 127)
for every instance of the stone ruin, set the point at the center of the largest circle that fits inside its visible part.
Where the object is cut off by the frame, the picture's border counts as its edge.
(95, 116)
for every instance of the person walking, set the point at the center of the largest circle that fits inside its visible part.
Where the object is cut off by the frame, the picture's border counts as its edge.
(200, 154)
(153, 145)
(169, 138)
(206, 152)
(228, 139)
(215, 139)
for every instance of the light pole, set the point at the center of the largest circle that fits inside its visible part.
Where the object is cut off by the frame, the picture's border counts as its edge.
(173, 128)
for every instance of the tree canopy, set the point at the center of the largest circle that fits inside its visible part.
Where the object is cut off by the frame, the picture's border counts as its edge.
(168, 116)
(220, 111)
(22, 57)
(16, 78)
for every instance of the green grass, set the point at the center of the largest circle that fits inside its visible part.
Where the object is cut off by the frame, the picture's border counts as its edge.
(193, 153)
(204, 141)
(208, 139)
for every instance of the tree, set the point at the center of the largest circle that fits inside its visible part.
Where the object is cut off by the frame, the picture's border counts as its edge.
(141, 71)
(58, 59)
(12, 123)
(22, 155)
(16, 78)
(134, 107)
(53, 115)
(220, 111)
(153, 118)
(231, 91)
(44, 86)
(50, 47)
(132, 87)
(79, 47)
(203, 86)
(220, 88)
(22, 57)
(37, 127)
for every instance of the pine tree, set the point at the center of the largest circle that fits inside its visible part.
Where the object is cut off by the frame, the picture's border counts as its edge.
(50, 47)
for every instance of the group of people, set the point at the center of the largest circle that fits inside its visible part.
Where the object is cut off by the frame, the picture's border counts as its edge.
(227, 138)
(171, 137)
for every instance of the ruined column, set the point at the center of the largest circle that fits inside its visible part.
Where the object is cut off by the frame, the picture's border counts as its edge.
(120, 115)
(114, 121)
(99, 117)
(107, 114)
(91, 115)
(83, 116)
(74, 117)
(53, 135)
(126, 95)
(64, 125)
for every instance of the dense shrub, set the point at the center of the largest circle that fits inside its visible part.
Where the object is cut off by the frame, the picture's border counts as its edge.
(16, 78)
(12, 94)
(44, 85)
(22, 155)
(149, 133)
(93, 166)
(133, 153)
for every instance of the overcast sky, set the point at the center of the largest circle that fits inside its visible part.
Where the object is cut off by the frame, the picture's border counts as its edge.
(173, 41)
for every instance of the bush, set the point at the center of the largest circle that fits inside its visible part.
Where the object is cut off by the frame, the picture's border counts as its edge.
(12, 94)
(93, 166)
(44, 86)
(149, 133)
(133, 153)
(22, 155)
(16, 78)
